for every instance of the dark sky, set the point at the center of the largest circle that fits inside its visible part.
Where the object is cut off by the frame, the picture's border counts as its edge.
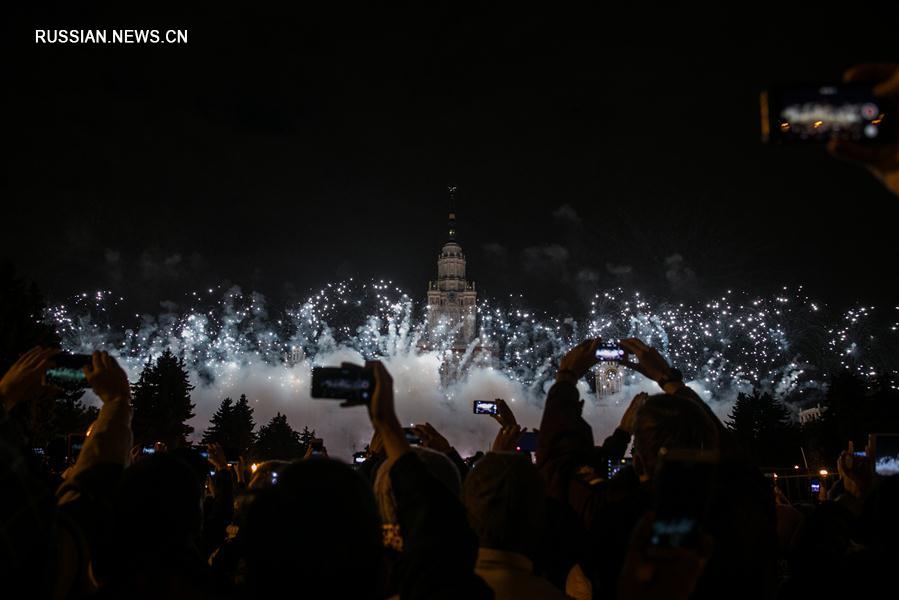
(282, 151)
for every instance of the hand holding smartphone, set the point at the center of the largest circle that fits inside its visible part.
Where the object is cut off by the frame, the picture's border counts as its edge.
(67, 371)
(352, 383)
(818, 113)
(610, 352)
(484, 407)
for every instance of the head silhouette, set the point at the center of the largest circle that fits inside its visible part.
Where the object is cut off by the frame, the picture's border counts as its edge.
(314, 533)
(666, 421)
(504, 498)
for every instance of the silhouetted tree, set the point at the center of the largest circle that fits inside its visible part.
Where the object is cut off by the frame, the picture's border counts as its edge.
(846, 405)
(306, 436)
(22, 323)
(883, 411)
(822, 440)
(854, 409)
(277, 440)
(232, 425)
(161, 400)
(219, 423)
(762, 424)
(245, 425)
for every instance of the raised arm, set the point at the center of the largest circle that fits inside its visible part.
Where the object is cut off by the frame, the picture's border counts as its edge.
(109, 438)
(439, 547)
(565, 440)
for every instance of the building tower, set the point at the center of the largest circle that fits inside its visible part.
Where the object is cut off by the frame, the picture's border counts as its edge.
(608, 378)
(451, 298)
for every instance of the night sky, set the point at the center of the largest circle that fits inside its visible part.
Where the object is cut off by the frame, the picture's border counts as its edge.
(282, 151)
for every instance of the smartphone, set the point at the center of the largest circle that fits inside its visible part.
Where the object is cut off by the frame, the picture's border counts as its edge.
(68, 371)
(411, 436)
(483, 407)
(351, 383)
(684, 483)
(885, 449)
(820, 112)
(610, 352)
(74, 444)
(815, 486)
(527, 442)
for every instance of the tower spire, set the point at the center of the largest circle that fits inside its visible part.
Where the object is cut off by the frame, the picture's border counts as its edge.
(452, 211)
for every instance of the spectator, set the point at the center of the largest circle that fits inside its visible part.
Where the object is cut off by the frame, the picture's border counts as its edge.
(315, 532)
(505, 501)
(744, 522)
(152, 543)
(438, 465)
(434, 440)
(329, 506)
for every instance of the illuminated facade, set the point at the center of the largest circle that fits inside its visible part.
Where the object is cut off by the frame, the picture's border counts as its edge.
(608, 378)
(452, 312)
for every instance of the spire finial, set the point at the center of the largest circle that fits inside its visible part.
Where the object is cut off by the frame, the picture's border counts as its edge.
(452, 211)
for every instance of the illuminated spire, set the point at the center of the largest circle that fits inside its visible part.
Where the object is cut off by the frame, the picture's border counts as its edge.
(452, 212)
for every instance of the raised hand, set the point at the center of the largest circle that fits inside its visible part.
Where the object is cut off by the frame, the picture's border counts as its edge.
(381, 408)
(433, 439)
(649, 361)
(507, 438)
(578, 361)
(24, 380)
(504, 415)
(217, 456)
(107, 378)
(382, 412)
(509, 431)
(857, 471)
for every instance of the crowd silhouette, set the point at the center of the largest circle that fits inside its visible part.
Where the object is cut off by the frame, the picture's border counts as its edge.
(691, 517)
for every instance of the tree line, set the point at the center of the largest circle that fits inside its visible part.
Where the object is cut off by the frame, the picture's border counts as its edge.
(162, 409)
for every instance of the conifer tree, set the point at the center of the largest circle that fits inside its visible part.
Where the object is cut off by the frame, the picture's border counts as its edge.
(161, 400)
(277, 440)
(232, 426)
(765, 429)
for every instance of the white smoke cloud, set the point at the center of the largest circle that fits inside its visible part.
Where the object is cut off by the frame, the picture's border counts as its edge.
(233, 345)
